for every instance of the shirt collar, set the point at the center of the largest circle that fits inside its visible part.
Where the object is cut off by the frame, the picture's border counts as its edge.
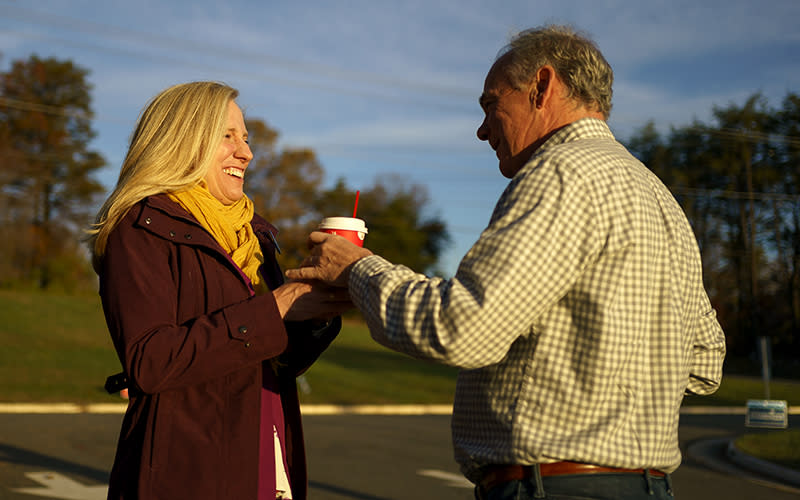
(585, 128)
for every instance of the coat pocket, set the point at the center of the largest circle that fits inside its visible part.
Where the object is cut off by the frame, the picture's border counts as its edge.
(160, 433)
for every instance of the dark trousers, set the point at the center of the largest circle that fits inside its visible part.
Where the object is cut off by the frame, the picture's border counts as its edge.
(613, 486)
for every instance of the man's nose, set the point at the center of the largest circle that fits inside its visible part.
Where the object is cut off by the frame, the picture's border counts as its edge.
(483, 131)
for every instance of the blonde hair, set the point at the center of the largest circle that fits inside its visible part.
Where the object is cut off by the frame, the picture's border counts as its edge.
(576, 59)
(171, 148)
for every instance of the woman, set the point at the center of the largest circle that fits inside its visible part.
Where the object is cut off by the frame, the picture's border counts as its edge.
(209, 336)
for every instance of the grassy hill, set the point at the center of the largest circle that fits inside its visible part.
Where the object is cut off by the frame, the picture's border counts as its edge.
(55, 348)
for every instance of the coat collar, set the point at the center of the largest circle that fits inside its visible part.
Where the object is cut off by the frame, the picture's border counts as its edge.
(162, 204)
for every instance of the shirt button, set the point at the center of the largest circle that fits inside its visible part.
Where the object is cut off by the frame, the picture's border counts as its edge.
(188, 236)
(243, 330)
(247, 344)
(172, 233)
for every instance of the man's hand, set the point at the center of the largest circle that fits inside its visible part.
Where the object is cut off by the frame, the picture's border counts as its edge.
(330, 261)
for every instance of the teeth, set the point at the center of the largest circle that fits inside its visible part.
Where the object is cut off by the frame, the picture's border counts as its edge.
(234, 172)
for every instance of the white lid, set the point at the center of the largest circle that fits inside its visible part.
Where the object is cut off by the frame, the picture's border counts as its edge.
(344, 223)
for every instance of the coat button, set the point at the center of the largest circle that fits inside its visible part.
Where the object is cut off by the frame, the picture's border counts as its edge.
(188, 236)
(247, 344)
(243, 330)
(147, 220)
(172, 233)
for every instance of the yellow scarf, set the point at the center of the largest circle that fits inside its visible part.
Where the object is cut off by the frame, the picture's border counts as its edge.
(229, 225)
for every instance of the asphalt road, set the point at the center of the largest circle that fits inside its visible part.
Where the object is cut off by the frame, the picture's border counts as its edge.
(355, 457)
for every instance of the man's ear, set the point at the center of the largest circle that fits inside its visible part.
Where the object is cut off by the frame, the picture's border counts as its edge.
(542, 86)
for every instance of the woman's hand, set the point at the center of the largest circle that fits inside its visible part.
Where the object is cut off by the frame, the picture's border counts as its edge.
(304, 300)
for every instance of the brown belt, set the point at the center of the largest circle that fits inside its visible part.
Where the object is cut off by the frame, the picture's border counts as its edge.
(498, 474)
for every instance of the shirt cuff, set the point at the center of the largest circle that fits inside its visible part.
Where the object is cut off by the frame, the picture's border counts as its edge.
(362, 271)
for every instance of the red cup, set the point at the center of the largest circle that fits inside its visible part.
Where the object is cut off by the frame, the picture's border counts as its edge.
(351, 228)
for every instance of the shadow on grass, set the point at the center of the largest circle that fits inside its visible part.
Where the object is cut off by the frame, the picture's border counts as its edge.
(384, 361)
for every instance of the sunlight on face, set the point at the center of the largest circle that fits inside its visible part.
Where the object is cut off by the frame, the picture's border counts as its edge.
(511, 122)
(225, 177)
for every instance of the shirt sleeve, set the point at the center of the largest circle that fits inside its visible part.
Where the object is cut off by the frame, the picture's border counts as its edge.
(542, 233)
(708, 352)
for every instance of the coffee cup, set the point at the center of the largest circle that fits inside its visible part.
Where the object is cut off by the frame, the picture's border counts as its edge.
(351, 228)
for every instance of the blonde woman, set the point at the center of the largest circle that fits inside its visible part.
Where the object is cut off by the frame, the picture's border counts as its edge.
(208, 334)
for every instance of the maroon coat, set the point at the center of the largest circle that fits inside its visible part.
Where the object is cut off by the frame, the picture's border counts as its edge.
(193, 339)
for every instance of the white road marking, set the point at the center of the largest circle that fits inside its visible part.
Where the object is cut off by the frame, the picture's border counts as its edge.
(454, 480)
(55, 485)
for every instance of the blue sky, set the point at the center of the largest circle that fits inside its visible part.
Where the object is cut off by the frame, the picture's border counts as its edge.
(379, 87)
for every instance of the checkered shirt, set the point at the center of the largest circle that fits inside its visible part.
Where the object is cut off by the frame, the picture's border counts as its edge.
(578, 319)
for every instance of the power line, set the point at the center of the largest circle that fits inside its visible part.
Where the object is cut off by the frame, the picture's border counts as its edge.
(735, 195)
(161, 41)
(290, 82)
(43, 108)
(747, 135)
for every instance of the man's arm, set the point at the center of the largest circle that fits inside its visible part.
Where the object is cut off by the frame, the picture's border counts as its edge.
(708, 352)
(523, 263)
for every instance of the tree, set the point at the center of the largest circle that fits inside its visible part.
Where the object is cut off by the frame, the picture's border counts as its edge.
(286, 188)
(283, 186)
(787, 158)
(47, 168)
(394, 211)
(741, 158)
(739, 183)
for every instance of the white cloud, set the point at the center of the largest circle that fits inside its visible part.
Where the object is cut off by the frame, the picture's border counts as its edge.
(446, 132)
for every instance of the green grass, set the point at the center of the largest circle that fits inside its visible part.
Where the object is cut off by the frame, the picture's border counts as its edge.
(735, 390)
(355, 369)
(780, 446)
(56, 347)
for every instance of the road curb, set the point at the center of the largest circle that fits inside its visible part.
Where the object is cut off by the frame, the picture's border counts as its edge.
(376, 409)
(325, 409)
(119, 408)
(775, 471)
(62, 408)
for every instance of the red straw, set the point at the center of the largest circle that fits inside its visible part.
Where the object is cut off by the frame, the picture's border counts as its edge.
(355, 207)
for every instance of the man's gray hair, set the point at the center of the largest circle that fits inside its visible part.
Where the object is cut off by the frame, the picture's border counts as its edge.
(576, 59)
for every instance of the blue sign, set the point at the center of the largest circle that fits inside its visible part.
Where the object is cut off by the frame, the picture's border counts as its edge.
(767, 413)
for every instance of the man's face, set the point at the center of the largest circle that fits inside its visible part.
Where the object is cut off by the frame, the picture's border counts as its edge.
(511, 124)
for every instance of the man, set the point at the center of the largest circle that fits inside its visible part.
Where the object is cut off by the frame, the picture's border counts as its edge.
(579, 318)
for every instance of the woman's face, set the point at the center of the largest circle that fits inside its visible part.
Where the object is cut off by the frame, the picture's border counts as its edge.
(225, 177)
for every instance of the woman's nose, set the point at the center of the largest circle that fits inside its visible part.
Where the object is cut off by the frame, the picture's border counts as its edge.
(243, 151)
